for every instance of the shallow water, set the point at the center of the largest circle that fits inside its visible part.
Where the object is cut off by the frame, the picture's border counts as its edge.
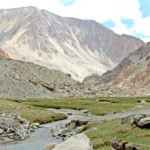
(37, 140)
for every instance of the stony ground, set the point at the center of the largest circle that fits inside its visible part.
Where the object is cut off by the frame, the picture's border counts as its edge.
(23, 79)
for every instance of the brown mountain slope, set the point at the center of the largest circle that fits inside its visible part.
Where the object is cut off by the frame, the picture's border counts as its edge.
(132, 73)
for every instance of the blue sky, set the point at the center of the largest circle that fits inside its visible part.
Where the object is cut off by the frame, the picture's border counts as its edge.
(145, 7)
(127, 22)
(67, 2)
(122, 16)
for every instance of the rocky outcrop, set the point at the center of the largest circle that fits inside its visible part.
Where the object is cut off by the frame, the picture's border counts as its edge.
(12, 126)
(74, 46)
(140, 120)
(132, 118)
(144, 122)
(118, 144)
(67, 130)
(76, 142)
(22, 79)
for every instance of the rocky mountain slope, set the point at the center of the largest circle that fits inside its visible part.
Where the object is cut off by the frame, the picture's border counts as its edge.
(133, 73)
(77, 47)
(22, 79)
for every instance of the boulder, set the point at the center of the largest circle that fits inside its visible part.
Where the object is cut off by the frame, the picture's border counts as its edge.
(76, 142)
(118, 144)
(144, 122)
(84, 111)
(67, 130)
(14, 127)
(132, 119)
(1, 131)
(143, 102)
(34, 125)
(80, 122)
(49, 147)
(69, 113)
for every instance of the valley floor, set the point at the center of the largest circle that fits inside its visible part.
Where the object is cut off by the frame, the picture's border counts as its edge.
(107, 122)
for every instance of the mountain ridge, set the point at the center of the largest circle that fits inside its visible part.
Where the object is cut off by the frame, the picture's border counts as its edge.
(132, 73)
(74, 46)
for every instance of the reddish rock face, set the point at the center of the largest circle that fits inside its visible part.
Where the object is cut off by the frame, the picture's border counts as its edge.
(77, 47)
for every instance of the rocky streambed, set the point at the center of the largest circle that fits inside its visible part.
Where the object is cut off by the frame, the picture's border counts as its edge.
(35, 141)
(56, 132)
(51, 133)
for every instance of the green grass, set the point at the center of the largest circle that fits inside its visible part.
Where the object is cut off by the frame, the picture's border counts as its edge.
(34, 110)
(105, 131)
(95, 105)
(31, 113)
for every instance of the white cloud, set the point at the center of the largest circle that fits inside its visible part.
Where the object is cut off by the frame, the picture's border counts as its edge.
(120, 28)
(99, 10)
(146, 39)
(142, 26)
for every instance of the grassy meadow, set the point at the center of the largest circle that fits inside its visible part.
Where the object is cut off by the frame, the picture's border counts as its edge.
(31, 113)
(95, 105)
(105, 131)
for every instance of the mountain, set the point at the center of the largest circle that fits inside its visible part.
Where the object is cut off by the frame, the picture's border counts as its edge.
(27, 80)
(77, 47)
(133, 73)
(24, 79)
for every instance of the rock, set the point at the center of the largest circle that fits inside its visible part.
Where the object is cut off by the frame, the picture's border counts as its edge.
(117, 144)
(144, 122)
(84, 111)
(80, 122)
(132, 119)
(49, 147)
(130, 146)
(76, 142)
(34, 125)
(14, 127)
(126, 120)
(143, 102)
(32, 130)
(115, 112)
(67, 130)
(138, 117)
(69, 113)
(1, 131)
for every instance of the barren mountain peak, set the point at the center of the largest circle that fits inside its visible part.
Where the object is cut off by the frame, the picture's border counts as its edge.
(74, 46)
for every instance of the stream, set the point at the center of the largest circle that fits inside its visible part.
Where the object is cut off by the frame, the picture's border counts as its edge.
(38, 139)
(43, 136)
